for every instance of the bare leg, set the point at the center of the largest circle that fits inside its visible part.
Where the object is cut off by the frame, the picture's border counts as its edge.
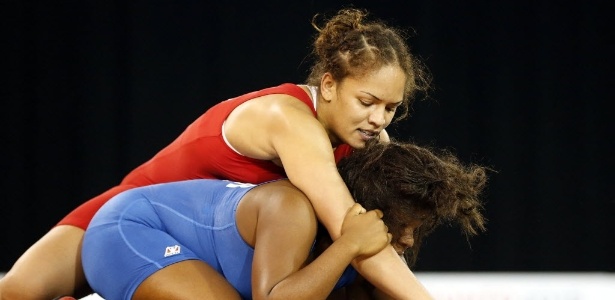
(48, 269)
(190, 279)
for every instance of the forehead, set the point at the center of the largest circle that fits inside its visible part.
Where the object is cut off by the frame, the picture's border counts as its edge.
(386, 83)
(411, 217)
(402, 227)
(414, 222)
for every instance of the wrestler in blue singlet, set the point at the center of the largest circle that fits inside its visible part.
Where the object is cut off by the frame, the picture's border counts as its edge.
(148, 228)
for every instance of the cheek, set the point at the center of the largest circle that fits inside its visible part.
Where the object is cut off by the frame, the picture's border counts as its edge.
(356, 112)
(389, 119)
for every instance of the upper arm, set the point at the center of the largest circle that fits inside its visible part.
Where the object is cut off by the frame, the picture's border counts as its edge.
(306, 153)
(285, 232)
(279, 127)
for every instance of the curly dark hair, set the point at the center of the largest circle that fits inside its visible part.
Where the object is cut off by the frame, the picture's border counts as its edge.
(407, 181)
(349, 45)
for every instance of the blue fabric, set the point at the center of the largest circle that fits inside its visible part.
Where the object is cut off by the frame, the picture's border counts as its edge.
(145, 229)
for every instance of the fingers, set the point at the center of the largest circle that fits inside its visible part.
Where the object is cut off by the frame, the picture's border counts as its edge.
(366, 229)
(380, 214)
(377, 212)
(356, 210)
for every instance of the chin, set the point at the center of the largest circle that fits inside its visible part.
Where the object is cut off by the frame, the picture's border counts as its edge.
(358, 144)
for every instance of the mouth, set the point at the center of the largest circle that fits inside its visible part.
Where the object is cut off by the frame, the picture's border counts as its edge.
(400, 250)
(367, 135)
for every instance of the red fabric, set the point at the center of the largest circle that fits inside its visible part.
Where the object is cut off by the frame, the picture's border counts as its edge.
(342, 151)
(199, 152)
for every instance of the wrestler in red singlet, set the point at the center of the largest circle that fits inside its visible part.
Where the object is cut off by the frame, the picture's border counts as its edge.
(200, 152)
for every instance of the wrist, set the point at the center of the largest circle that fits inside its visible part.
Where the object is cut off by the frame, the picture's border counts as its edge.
(349, 246)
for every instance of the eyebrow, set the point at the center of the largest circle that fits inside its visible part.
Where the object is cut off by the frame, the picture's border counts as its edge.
(374, 96)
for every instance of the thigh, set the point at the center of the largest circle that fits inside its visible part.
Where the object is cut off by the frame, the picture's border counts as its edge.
(49, 268)
(189, 279)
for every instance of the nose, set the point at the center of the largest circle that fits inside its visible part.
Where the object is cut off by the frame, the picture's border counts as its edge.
(378, 116)
(406, 241)
(403, 243)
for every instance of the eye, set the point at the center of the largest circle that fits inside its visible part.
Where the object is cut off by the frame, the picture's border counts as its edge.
(365, 103)
(391, 109)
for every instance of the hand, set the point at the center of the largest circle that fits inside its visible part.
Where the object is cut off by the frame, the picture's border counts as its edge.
(365, 230)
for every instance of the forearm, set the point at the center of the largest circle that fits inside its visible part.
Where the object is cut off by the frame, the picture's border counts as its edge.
(316, 280)
(388, 273)
(331, 201)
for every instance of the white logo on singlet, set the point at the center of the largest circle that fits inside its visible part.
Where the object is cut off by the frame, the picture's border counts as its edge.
(239, 185)
(172, 250)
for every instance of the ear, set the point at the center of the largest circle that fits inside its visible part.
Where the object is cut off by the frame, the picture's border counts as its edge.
(328, 87)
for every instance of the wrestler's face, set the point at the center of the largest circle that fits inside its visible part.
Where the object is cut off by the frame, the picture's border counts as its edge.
(405, 238)
(359, 108)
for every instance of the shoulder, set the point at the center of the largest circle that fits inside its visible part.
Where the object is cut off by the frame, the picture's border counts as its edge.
(384, 136)
(277, 106)
(284, 113)
(273, 111)
(282, 199)
(275, 208)
(288, 97)
(288, 103)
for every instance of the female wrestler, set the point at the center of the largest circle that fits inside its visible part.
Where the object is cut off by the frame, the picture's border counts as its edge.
(161, 241)
(362, 74)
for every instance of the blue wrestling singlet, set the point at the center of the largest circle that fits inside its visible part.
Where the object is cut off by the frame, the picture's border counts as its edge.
(145, 229)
